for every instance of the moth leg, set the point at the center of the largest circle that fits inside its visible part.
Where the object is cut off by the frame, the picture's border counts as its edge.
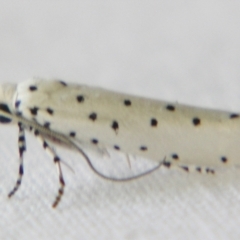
(188, 168)
(22, 149)
(197, 169)
(128, 161)
(57, 161)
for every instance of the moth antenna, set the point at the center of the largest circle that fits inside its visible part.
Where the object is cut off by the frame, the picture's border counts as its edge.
(113, 178)
(67, 166)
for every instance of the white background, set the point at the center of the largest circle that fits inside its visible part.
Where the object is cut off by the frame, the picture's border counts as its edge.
(185, 51)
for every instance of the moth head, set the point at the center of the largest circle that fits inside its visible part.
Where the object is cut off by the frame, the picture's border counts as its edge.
(4, 108)
(7, 92)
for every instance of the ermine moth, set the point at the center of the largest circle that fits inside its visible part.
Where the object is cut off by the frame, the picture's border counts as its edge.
(168, 133)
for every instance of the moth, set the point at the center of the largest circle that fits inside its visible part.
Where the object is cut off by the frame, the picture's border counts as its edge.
(170, 134)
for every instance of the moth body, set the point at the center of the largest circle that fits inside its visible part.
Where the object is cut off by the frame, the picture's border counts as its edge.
(96, 118)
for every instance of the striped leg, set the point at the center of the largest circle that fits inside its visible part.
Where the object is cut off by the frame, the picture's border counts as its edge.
(188, 168)
(22, 149)
(198, 169)
(57, 161)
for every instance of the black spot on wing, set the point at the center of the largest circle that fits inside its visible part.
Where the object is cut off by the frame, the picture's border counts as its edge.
(153, 122)
(63, 83)
(94, 141)
(167, 164)
(46, 124)
(234, 115)
(93, 116)
(224, 159)
(115, 125)
(127, 102)
(34, 110)
(143, 148)
(72, 134)
(170, 107)
(209, 170)
(80, 98)
(198, 169)
(185, 168)
(196, 121)
(36, 132)
(175, 156)
(17, 104)
(32, 88)
(116, 147)
(50, 111)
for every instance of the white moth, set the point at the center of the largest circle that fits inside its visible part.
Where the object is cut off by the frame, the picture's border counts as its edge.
(168, 133)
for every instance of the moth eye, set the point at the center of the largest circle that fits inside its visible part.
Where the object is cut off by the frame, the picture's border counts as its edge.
(4, 119)
(4, 108)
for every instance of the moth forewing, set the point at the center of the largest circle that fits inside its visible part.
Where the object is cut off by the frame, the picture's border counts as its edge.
(81, 117)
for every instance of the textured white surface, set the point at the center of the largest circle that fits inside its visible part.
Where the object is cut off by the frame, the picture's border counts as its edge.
(186, 51)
